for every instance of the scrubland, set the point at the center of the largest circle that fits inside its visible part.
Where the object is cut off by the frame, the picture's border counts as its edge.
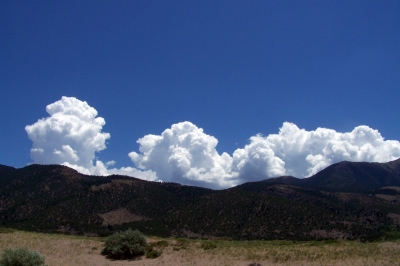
(65, 250)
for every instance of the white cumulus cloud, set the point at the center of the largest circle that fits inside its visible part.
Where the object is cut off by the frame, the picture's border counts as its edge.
(301, 153)
(71, 136)
(184, 153)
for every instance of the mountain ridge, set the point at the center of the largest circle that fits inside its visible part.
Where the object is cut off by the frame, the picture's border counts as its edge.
(349, 177)
(55, 198)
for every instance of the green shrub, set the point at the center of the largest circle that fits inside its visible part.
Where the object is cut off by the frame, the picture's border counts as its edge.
(4, 230)
(154, 249)
(21, 257)
(208, 245)
(153, 254)
(125, 245)
(161, 243)
(181, 243)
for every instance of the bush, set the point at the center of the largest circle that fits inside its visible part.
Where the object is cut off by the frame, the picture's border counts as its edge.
(125, 245)
(154, 249)
(21, 257)
(207, 246)
(6, 230)
(181, 243)
(153, 254)
(161, 243)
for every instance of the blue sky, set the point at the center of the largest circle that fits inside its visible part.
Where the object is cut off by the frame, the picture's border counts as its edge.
(233, 68)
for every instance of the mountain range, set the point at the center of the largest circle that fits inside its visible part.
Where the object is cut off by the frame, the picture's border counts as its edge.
(347, 200)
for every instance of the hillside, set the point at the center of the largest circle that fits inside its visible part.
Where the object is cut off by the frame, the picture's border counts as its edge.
(348, 177)
(54, 198)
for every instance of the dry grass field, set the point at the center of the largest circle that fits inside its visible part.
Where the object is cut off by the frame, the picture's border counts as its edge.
(63, 250)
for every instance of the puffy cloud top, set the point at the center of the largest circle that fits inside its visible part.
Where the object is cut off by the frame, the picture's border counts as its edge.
(185, 154)
(301, 153)
(72, 134)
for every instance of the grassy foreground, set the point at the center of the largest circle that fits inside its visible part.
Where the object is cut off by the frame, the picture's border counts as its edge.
(65, 250)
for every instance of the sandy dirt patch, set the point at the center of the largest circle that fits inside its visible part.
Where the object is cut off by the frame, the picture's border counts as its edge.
(120, 216)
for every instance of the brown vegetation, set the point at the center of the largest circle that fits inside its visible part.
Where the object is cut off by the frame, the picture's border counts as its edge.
(53, 198)
(62, 250)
